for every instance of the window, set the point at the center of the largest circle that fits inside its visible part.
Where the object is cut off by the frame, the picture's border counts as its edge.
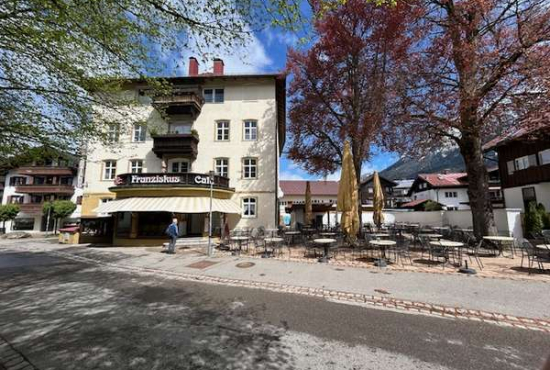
(109, 170)
(140, 131)
(249, 207)
(222, 131)
(113, 132)
(136, 166)
(18, 180)
(221, 166)
(16, 199)
(66, 181)
(511, 167)
(524, 162)
(250, 168)
(180, 167)
(213, 95)
(250, 130)
(529, 195)
(451, 194)
(544, 157)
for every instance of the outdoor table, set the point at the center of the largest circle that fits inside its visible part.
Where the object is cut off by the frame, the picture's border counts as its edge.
(382, 244)
(449, 244)
(272, 232)
(325, 242)
(381, 235)
(292, 235)
(328, 234)
(271, 241)
(500, 240)
(239, 240)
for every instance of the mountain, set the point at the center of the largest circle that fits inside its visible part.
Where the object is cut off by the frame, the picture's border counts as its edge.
(439, 161)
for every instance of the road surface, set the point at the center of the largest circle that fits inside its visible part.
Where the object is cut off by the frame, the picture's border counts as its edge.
(62, 314)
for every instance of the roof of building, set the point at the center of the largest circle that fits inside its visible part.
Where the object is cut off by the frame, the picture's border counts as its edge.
(526, 129)
(298, 187)
(404, 184)
(382, 178)
(444, 180)
(414, 203)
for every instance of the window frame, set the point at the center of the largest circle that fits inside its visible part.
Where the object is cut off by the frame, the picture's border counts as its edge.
(540, 157)
(179, 161)
(226, 166)
(104, 170)
(244, 166)
(143, 131)
(255, 122)
(111, 132)
(255, 203)
(227, 130)
(131, 166)
(214, 100)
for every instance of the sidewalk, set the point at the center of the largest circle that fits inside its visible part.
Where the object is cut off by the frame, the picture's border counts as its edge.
(529, 299)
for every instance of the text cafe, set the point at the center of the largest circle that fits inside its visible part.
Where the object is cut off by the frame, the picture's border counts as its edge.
(146, 203)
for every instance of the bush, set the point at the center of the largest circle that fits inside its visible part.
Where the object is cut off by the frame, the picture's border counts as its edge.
(533, 221)
(545, 217)
(430, 205)
(8, 212)
(59, 209)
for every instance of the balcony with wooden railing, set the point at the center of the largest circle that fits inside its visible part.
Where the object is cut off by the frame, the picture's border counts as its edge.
(47, 170)
(31, 208)
(180, 101)
(181, 145)
(45, 189)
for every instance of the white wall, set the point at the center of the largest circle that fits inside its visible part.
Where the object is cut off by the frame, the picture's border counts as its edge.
(438, 195)
(514, 196)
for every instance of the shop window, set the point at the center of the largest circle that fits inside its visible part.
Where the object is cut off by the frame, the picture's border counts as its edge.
(123, 224)
(249, 207)
(250, 168)
(222, 167)
(222, 131)
(250, 130)
(23, 224)
(153, 224)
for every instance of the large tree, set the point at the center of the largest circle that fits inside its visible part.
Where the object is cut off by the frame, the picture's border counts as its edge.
(479, 67)
(342, 87)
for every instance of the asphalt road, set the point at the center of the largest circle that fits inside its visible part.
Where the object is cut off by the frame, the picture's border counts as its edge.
(66, 315)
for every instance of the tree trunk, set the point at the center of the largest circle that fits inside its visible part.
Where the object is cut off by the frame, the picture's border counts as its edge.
(478, 186)
(359, 205)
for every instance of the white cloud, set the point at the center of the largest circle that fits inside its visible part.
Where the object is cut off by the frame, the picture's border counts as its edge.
(282, 37)
(287, 175)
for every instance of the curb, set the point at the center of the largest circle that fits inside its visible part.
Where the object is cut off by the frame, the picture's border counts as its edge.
(340, 296)
(12, 359)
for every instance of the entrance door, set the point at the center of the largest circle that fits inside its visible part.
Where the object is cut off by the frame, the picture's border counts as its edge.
(195, 224)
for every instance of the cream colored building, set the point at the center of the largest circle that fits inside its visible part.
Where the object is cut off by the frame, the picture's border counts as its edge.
(165, 146)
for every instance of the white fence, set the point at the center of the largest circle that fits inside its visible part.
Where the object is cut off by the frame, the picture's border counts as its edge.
(508, 221)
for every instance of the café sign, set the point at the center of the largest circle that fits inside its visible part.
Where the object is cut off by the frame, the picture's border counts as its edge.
(189, 179)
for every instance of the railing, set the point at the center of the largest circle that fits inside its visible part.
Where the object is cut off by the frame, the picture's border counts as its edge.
(180, 144)
(45, 189)
(46, 170)
(31, 208)
(156, 180)
(180, 101)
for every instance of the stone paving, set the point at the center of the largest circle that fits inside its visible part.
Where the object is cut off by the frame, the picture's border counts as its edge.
(11, 358)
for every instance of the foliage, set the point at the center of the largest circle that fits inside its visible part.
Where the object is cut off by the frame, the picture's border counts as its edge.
(532, 220)
(342, 87)
(544, 216)
(430, 205)
(59, 208)
(8, 212)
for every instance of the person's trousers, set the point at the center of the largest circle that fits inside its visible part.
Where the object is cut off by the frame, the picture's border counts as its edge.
(172, 244)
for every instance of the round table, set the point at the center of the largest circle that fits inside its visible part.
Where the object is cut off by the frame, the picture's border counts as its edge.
(271, 241)
(272, 232)
(292, 234)
(382, 244)
(500, 240)
(239, 240)
(325, 242)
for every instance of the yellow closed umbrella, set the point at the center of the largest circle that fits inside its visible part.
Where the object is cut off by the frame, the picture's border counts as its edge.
(308, 205)
(378, 201)
(348, 196)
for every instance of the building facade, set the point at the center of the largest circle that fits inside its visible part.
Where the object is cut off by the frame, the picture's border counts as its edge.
(524, 164)
(211, 134)
(367, 191)
(447, 189)
(32, 185)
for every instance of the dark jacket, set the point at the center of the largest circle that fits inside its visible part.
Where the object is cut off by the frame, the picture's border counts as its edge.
(172, 230)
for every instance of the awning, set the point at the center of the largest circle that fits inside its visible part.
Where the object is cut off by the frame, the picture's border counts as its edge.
(169, 204)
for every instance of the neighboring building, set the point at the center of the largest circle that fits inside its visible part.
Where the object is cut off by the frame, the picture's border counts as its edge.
(324, 195)
(159, 162)
(448, 189)
(524, 164)
(367, 191)
(31, 185)
(495, 188)
(422, 205)
(401, 191)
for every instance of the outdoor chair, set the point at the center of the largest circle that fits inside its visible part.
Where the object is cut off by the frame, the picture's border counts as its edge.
(437, 253)
(401, 251)
(536, 256)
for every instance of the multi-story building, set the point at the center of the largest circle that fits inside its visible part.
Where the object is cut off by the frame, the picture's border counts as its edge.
(367, 191)
(212, 134)
(524, 164)
(31, 185)
(401, 191)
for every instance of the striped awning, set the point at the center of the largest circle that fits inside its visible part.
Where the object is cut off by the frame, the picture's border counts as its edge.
(169, 204)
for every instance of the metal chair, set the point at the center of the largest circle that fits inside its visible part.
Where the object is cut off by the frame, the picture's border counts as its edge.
(536, 256)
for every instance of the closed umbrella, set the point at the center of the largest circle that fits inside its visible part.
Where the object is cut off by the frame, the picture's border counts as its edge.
(348, 196)
(378, 201)
(308, 206)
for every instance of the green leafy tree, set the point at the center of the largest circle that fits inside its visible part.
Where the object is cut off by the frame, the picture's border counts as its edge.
(430, 205)
(59, 210)
(532, 220)
(8, 212)
(544, 216)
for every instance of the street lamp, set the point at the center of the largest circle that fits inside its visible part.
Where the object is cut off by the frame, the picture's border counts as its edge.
(211, 178)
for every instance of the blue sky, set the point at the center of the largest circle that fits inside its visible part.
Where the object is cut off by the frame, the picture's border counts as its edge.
(266, 52)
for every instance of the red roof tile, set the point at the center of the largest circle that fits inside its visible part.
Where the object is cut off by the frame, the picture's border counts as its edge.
(442, 180)
(414, 203)
(298, 187)
(525, 129)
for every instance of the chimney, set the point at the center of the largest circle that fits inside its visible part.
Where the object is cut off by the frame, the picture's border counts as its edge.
(193, 67)
(218, 66)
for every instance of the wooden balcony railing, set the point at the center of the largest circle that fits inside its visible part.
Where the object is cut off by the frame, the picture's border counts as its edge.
(183, 145)
(45, 189)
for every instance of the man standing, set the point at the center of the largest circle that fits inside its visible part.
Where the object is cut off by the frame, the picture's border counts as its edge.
(172, 232)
